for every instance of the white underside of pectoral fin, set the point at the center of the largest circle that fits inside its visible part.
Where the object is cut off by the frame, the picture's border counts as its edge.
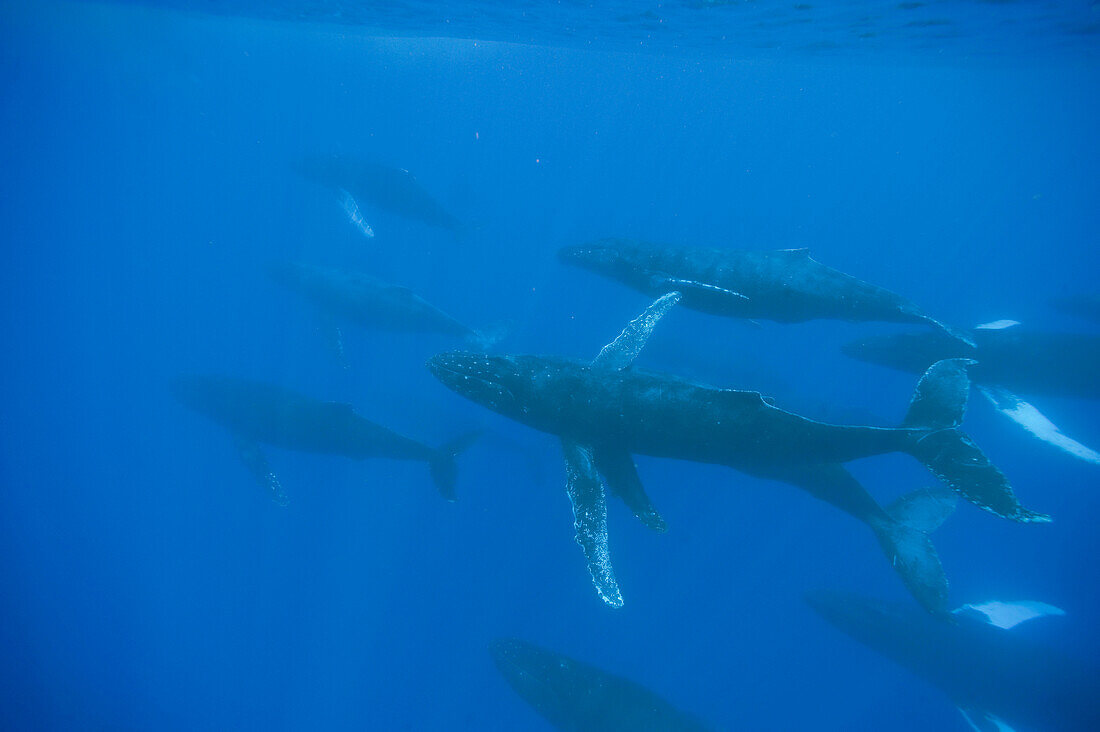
(998, 325)
(621, 352)
(1008, 614)
(586, 493)
(982, 721)
(1035, 422)
(355, 216)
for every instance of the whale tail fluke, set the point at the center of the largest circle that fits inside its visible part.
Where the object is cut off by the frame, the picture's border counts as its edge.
(939, 401)
(909, 547)
(935, 413)
(443, 468)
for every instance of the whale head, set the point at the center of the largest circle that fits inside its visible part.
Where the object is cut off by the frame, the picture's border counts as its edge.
(609, 257)
(538, 391)
(495, 382)
(912, 352)
(545, 680)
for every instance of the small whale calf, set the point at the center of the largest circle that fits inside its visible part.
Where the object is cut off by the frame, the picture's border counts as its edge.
(577, 697)
(1084, 306)
(787, 286)
(606, 410)
(347, 295)
(258, 413)
(996, 679)
(382, 188)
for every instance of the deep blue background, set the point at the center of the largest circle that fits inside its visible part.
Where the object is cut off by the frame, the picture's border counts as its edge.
(145, 177)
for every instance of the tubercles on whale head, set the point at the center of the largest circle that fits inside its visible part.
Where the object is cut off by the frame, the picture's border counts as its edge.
(604, 256)
(533, 390)
(491, 381)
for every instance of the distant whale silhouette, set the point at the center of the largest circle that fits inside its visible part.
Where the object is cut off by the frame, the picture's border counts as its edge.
(1083, 306)
(607, 410)
(1010, 359)
(996, 679)
(259, 413)
(786, 286)
(341, 294)
(380, 187)
(577, 697)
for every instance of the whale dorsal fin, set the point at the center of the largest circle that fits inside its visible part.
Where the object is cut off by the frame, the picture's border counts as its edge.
(617, 468)
(621, 352)
(585, 490)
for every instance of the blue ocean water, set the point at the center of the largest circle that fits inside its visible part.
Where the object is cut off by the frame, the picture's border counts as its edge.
(147, 178)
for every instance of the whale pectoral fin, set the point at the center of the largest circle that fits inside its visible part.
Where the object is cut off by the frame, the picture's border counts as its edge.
(1035, 422)
(998, 325)
(1008, 614)
(621, 352)
(585, 490)
(330, 331)
(983, 721)
(664, 282)
(256, 462)
(617, 468)
(355, 216)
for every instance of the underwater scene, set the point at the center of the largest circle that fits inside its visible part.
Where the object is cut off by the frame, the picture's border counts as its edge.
(478, 365)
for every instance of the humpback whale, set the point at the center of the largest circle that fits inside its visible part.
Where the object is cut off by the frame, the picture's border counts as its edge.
(787, 286)
(258, 413)
(341, 294)
(1086, 307)
(394, 190)
(577, 697)
(996, 679)
(1010, 359)
(607, 410)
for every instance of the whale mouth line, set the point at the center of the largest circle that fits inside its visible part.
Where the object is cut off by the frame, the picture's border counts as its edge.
(468, 374)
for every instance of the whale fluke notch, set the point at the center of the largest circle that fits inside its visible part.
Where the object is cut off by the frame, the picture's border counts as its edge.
(936, 409)
(621, 352)
(585, 490)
